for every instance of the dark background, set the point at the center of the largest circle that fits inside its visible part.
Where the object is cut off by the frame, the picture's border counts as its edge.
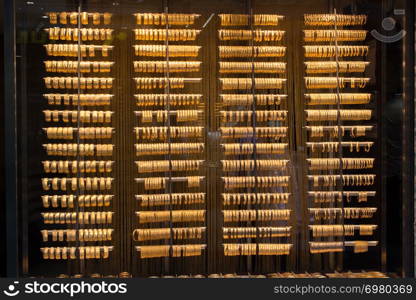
(2, 171)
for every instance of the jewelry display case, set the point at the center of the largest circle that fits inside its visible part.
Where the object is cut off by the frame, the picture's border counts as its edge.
(210, 138)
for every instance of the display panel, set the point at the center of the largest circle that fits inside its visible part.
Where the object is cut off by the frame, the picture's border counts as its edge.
(341, 180)
(218, 137)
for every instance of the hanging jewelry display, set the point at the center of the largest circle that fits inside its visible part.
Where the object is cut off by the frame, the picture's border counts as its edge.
(78, 126)
(234, 161)
(170, 137)
(254, 137)
(338, 115)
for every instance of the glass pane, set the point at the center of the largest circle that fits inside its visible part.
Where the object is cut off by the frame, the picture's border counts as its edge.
(167, 138)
